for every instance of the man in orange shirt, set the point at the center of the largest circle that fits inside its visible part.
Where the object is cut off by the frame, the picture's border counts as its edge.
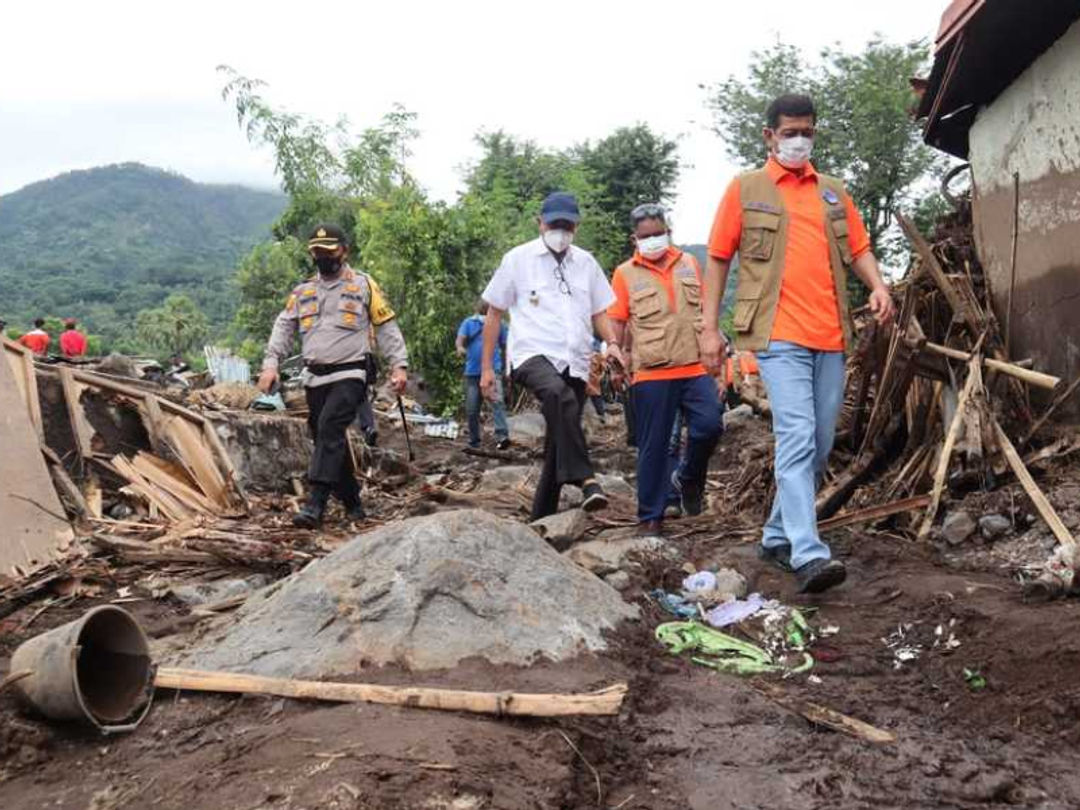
(37, 339)
(657, 310)
(798, 236)
(72, 341)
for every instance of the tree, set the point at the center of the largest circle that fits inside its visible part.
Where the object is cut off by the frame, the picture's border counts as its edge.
(176, 327)
(866, 133)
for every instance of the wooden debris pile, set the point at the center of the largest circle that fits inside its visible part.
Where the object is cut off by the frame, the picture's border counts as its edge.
(934, 402)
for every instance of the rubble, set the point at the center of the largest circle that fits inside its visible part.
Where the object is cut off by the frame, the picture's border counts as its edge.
(993, 527)
(958, 527)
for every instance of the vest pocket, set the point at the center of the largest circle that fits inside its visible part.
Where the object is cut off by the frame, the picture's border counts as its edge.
(691, 291)
(743, 317)
(840, 232)
(650, 347)
(759, 234)
(646, 304)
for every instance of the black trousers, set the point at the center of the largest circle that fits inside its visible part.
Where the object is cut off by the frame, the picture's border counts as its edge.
(566, 457)
(331, 408)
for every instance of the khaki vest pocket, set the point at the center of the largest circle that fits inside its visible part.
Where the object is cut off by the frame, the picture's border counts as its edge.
(649, 347)
(840, 231)
(691, 291)
(743, 317)
(759, 234)
(646, 303)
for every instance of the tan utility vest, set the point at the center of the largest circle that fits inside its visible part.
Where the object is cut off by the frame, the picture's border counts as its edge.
(761, 256)
(662, 337)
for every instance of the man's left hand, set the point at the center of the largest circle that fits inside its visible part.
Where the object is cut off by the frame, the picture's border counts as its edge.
(399, 378)
(881, 305)
(614, 357)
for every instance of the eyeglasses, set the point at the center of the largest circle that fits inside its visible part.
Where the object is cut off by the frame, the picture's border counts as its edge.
(648, 211)
(564, 287)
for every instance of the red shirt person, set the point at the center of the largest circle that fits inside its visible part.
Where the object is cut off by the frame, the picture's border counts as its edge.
(72, 341)
(37, 339)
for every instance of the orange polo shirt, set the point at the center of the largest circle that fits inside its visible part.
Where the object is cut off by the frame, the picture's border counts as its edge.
(807, 312)
(663, 269)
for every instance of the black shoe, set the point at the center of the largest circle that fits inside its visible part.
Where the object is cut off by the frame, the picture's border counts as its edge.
(690, 498)
(820, 575)
(355, 512)
(779, 556)
(371, 437)
(503, 444)
(673, 510)
(594, 497)
(310, 516)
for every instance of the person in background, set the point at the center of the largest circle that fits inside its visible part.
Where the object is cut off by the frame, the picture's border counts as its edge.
(72, 341)
(37, 339)
(331, 312)
(799, 237)
(470, 345)
(658, 304)
(557, 296)
(594, 388)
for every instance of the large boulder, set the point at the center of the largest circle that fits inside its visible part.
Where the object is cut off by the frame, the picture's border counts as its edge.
(528, 425)
(425, 593)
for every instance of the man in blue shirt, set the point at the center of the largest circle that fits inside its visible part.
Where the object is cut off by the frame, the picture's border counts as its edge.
(470, 345)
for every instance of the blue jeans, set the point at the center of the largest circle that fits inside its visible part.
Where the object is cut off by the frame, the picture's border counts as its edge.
(656, 403)
(806, 390)
(473, 401)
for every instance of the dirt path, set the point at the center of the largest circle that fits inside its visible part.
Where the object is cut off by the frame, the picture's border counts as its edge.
(689, 738)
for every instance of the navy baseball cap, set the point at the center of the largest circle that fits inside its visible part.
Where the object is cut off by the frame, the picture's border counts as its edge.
(559, 206)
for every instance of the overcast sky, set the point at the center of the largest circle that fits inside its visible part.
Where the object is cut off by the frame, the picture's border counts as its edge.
(85, 84)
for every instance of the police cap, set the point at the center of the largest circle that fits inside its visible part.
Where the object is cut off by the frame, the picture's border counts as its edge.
(326, 237)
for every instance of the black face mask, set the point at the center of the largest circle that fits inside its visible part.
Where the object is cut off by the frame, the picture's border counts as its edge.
(328, 265)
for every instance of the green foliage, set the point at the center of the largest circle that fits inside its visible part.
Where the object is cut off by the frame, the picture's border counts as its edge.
(178, 327)
(102, 245)
(866, 133)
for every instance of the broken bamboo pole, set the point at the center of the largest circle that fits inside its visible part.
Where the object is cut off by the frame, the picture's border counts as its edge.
(872, 513)
(1042, 420)
(1036, 378)
(1042, 505)
(602, 702)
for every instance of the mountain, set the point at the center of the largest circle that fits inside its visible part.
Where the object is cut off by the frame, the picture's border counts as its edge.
(101, 245)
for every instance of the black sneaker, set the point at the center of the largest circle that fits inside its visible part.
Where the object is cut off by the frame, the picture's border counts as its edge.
(502, 444)
(690, 495)
(309, 517)
(593, 496)
(355, 512)
(779, 556)
(820, 575)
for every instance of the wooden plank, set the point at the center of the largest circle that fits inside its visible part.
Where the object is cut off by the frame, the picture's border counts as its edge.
(872, 513)
(830, 718)
(98, 381)
(167, 503)
(152, 470)
(225, 460)
(153, 422)
(1046, 511)
(951, 435)
(602, 702)
(81, 428)
(188, 442)
(32, 517)
(64, 483)
(1036, 378)
(1068, 392)
(21, 361)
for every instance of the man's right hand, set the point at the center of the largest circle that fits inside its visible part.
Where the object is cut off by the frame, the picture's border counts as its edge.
(267, 379)
(712, 346)
(487, 384)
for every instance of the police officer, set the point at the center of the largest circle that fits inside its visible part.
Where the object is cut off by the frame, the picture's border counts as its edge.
(332, 312)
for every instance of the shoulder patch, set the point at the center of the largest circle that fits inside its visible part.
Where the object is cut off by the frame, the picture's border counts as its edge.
(379, 308)
(830, 196)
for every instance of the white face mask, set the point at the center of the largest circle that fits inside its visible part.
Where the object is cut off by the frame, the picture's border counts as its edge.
(653, 247)
(558, 240)
(794, 152)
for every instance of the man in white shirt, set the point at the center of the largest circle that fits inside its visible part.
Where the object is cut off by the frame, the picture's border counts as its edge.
(557, 296)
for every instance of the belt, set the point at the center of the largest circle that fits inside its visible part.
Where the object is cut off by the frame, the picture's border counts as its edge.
(320, 370)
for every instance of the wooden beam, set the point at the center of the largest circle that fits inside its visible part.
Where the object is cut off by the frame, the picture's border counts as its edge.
(602, 702)
(1043, 506)
(1036, 378)
(974, 379)
(81, 428)
(872, 513)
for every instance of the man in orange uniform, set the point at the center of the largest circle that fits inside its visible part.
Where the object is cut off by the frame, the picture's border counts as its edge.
(72, 341)
(37, 339)
(658, 304)
(798, 236)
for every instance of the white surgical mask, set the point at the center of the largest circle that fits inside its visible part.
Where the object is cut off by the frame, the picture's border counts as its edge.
(558, 240)
(653, 247)
(794, 152)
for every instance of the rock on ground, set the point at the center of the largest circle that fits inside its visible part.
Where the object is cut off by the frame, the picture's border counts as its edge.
(498, 479)
(562, 526)
(267, 449)
(994, 526)
(425, 593)
(204, 593)
(957, 527)
(608, 554)
(529, 425)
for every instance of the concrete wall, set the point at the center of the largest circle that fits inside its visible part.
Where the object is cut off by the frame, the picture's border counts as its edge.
(1034, 128)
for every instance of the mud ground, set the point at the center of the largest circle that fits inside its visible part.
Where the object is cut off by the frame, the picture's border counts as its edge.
(687, 738)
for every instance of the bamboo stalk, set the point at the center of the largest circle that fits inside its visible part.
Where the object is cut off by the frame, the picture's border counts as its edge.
(1036, 378)
(602, 702)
